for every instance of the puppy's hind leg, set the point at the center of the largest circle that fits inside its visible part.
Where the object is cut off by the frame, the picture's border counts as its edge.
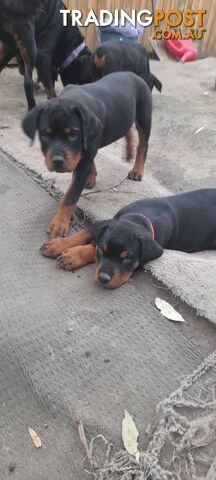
(143, 125)
(91, 180)
(129, 145)
(45, 73)
(137, 171)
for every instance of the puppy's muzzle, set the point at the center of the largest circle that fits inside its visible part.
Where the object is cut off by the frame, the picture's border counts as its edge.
(58, 162)
(104, 278)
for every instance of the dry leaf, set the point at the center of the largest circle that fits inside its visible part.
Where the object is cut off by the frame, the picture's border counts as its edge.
(35, 438)
(168, 311)
(199, 130)
(130, 435)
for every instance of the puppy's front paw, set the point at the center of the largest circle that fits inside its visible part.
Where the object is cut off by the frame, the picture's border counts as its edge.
(135, 174)
(71, 259)
(53, 248)
(58, 227)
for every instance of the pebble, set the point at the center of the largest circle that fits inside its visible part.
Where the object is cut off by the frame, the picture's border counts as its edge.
(12, 466)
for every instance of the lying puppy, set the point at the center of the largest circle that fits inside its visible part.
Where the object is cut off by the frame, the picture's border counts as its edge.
(120, 57)
(33, 31)
(138, 234)
(83, 119)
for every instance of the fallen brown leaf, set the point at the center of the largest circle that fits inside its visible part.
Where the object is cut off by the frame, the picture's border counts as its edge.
(35, 438)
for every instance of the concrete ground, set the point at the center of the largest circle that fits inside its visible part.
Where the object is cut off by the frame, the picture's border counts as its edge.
(67, 346)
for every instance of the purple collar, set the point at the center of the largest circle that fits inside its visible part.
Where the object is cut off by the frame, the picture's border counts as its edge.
(73, 55)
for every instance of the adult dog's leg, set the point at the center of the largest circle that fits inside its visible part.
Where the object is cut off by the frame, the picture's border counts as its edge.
(25, 40)
(45, 73)
(54, 248)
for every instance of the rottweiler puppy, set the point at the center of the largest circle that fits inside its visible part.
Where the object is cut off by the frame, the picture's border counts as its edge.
(33, 31)
(138, 234)
(121, 57)
(83, 119)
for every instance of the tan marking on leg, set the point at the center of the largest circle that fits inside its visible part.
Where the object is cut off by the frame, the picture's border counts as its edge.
(51, 93)
(2, 52)
(59, 225)
(129, 145)
(54, 248)
(137, 172)
(91, 181)
(77, 257)
(99, 61)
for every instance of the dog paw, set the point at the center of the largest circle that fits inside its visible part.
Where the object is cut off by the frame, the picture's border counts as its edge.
(135, 175)
(53, 248)
(71, 259)
(58, 228)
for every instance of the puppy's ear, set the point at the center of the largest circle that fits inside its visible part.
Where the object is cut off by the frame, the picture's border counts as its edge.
(31, 121)
(91, 127)
(149, 250)
(99, 228)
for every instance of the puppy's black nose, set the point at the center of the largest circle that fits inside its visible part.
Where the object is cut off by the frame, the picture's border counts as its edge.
(58, 161)
(104, 278)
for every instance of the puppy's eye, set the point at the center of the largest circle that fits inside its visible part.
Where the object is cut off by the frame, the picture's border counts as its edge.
(73, 136)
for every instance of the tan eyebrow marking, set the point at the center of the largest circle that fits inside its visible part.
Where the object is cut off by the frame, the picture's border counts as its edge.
(67, 130)
(124, 254)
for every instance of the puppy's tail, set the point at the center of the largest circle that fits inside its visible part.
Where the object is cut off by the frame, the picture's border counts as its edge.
(156, 83)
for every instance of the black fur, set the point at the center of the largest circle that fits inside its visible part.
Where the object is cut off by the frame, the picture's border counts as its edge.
(185, 222)
(33, 31)
(18, 9)
(120, 56)
(86, 118)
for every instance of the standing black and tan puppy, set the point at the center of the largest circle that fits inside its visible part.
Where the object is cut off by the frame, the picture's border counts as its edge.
(123, 57)
(83, 119)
